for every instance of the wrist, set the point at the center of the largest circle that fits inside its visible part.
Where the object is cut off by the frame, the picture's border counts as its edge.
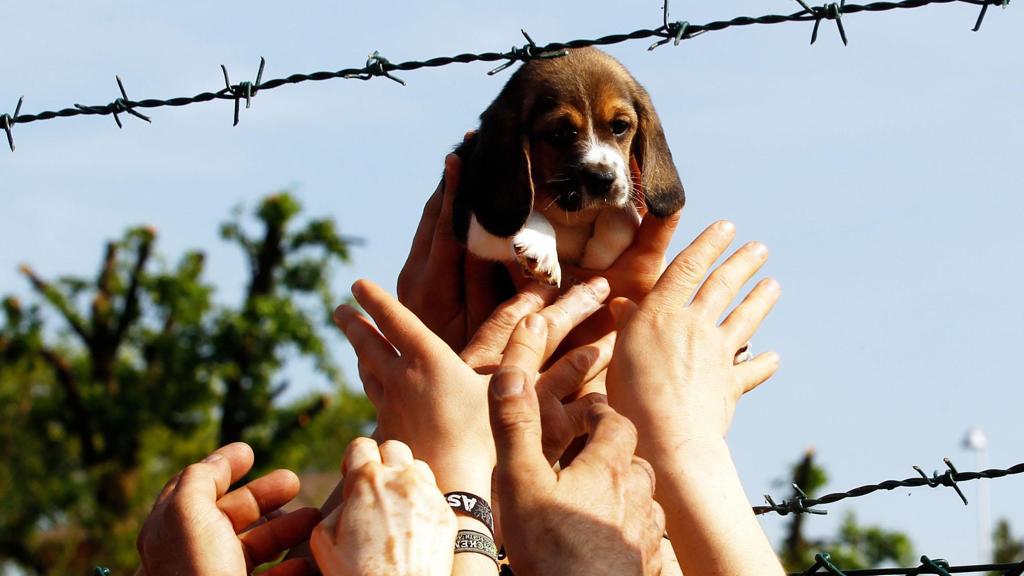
(680, 453)
(459, 472)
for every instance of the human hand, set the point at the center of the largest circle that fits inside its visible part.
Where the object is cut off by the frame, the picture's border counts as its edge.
(451, 291)
(632, 275)
(393, 522)
(595, 516)
(436, 402)
(673, 372)
(198, 527)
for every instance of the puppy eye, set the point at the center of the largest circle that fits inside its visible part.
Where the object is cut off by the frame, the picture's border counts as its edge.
(620, 127)
(561, 136)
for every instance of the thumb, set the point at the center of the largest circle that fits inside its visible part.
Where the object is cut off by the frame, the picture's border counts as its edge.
(515, 424)
(622, 310)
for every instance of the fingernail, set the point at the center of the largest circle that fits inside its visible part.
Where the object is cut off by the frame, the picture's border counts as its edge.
(535, 324)
(357, 288)
(600, 287)
(508, 383)
(759, 248)
(215, 457)
(725, 226)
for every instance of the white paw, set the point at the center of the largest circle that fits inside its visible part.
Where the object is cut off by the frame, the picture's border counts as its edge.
(537, 255)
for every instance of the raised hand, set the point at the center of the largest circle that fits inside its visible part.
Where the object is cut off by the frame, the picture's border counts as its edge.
(198, 527)
(394, 521)
(595, 516)
(673, 373)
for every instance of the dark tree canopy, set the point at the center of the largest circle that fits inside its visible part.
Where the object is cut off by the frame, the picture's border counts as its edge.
(108, 384)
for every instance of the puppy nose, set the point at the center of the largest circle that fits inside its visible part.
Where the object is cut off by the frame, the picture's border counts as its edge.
(598, 182)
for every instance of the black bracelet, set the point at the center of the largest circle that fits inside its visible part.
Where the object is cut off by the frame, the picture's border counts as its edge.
(477, 542)
(472, 506)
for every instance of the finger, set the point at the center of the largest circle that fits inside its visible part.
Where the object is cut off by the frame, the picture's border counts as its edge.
(293, 567)
(622, 310)
(755, 371)
(423, 469)
(725, 282)
(515, 423)
(267, 541)
(659, 517)
(246, 505)
(444, 234)
(422, 240)
(444, 263)
(654, 235)
(398, 325)
(372, 386)
(486, 346)
(395, 454)
(612, 438)
(643, 474)
(167, 489)
(373, 349)
(682, 277)
(525, 349)
(573, 307)
(576, 368)
(211, 477)
(577, 410)
(745, 319)
(359, 453)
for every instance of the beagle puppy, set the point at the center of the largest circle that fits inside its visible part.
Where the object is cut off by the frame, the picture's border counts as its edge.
(564, 160)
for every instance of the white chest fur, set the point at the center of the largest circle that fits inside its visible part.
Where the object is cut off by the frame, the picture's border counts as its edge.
(593, 241)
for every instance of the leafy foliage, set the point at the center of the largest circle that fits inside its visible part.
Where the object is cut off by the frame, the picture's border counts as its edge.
(145, 372)
(1006, 548)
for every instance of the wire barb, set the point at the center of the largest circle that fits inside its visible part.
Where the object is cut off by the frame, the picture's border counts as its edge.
(948, 478)
(122, 104)
(984, 10)
(8, 121)
(798, 505)
(243, 90)
(937, 566)
(528, 52)
(376, 65)
(831, 11)
(674, 32)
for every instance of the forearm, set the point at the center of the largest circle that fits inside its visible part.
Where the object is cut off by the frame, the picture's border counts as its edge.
(709, 520)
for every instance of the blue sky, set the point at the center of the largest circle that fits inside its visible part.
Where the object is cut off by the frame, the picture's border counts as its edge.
(883, 176)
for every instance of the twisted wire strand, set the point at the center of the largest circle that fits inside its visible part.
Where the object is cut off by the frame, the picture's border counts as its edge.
(378, 66)
(824, 565)
(803, 505)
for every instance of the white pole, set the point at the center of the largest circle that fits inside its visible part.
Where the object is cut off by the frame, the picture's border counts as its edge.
(976, 440)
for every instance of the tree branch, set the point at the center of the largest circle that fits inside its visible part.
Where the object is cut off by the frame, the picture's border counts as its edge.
(60, 302)
(131, 298)
(81, 419)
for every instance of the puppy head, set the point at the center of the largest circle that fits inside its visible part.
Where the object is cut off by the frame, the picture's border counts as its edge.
(567, 134)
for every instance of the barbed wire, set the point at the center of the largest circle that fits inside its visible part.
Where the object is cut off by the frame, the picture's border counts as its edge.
(379, 66)
(801, 504)
(823, 564)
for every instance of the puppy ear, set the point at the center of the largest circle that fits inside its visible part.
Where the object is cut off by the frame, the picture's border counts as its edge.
(663, 191)
(497, 183)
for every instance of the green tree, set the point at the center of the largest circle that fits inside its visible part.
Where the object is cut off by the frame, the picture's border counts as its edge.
(853, 547)
(1006, 548)
(143, 371)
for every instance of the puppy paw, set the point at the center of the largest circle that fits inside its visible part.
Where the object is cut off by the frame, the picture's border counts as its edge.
(537, 255)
